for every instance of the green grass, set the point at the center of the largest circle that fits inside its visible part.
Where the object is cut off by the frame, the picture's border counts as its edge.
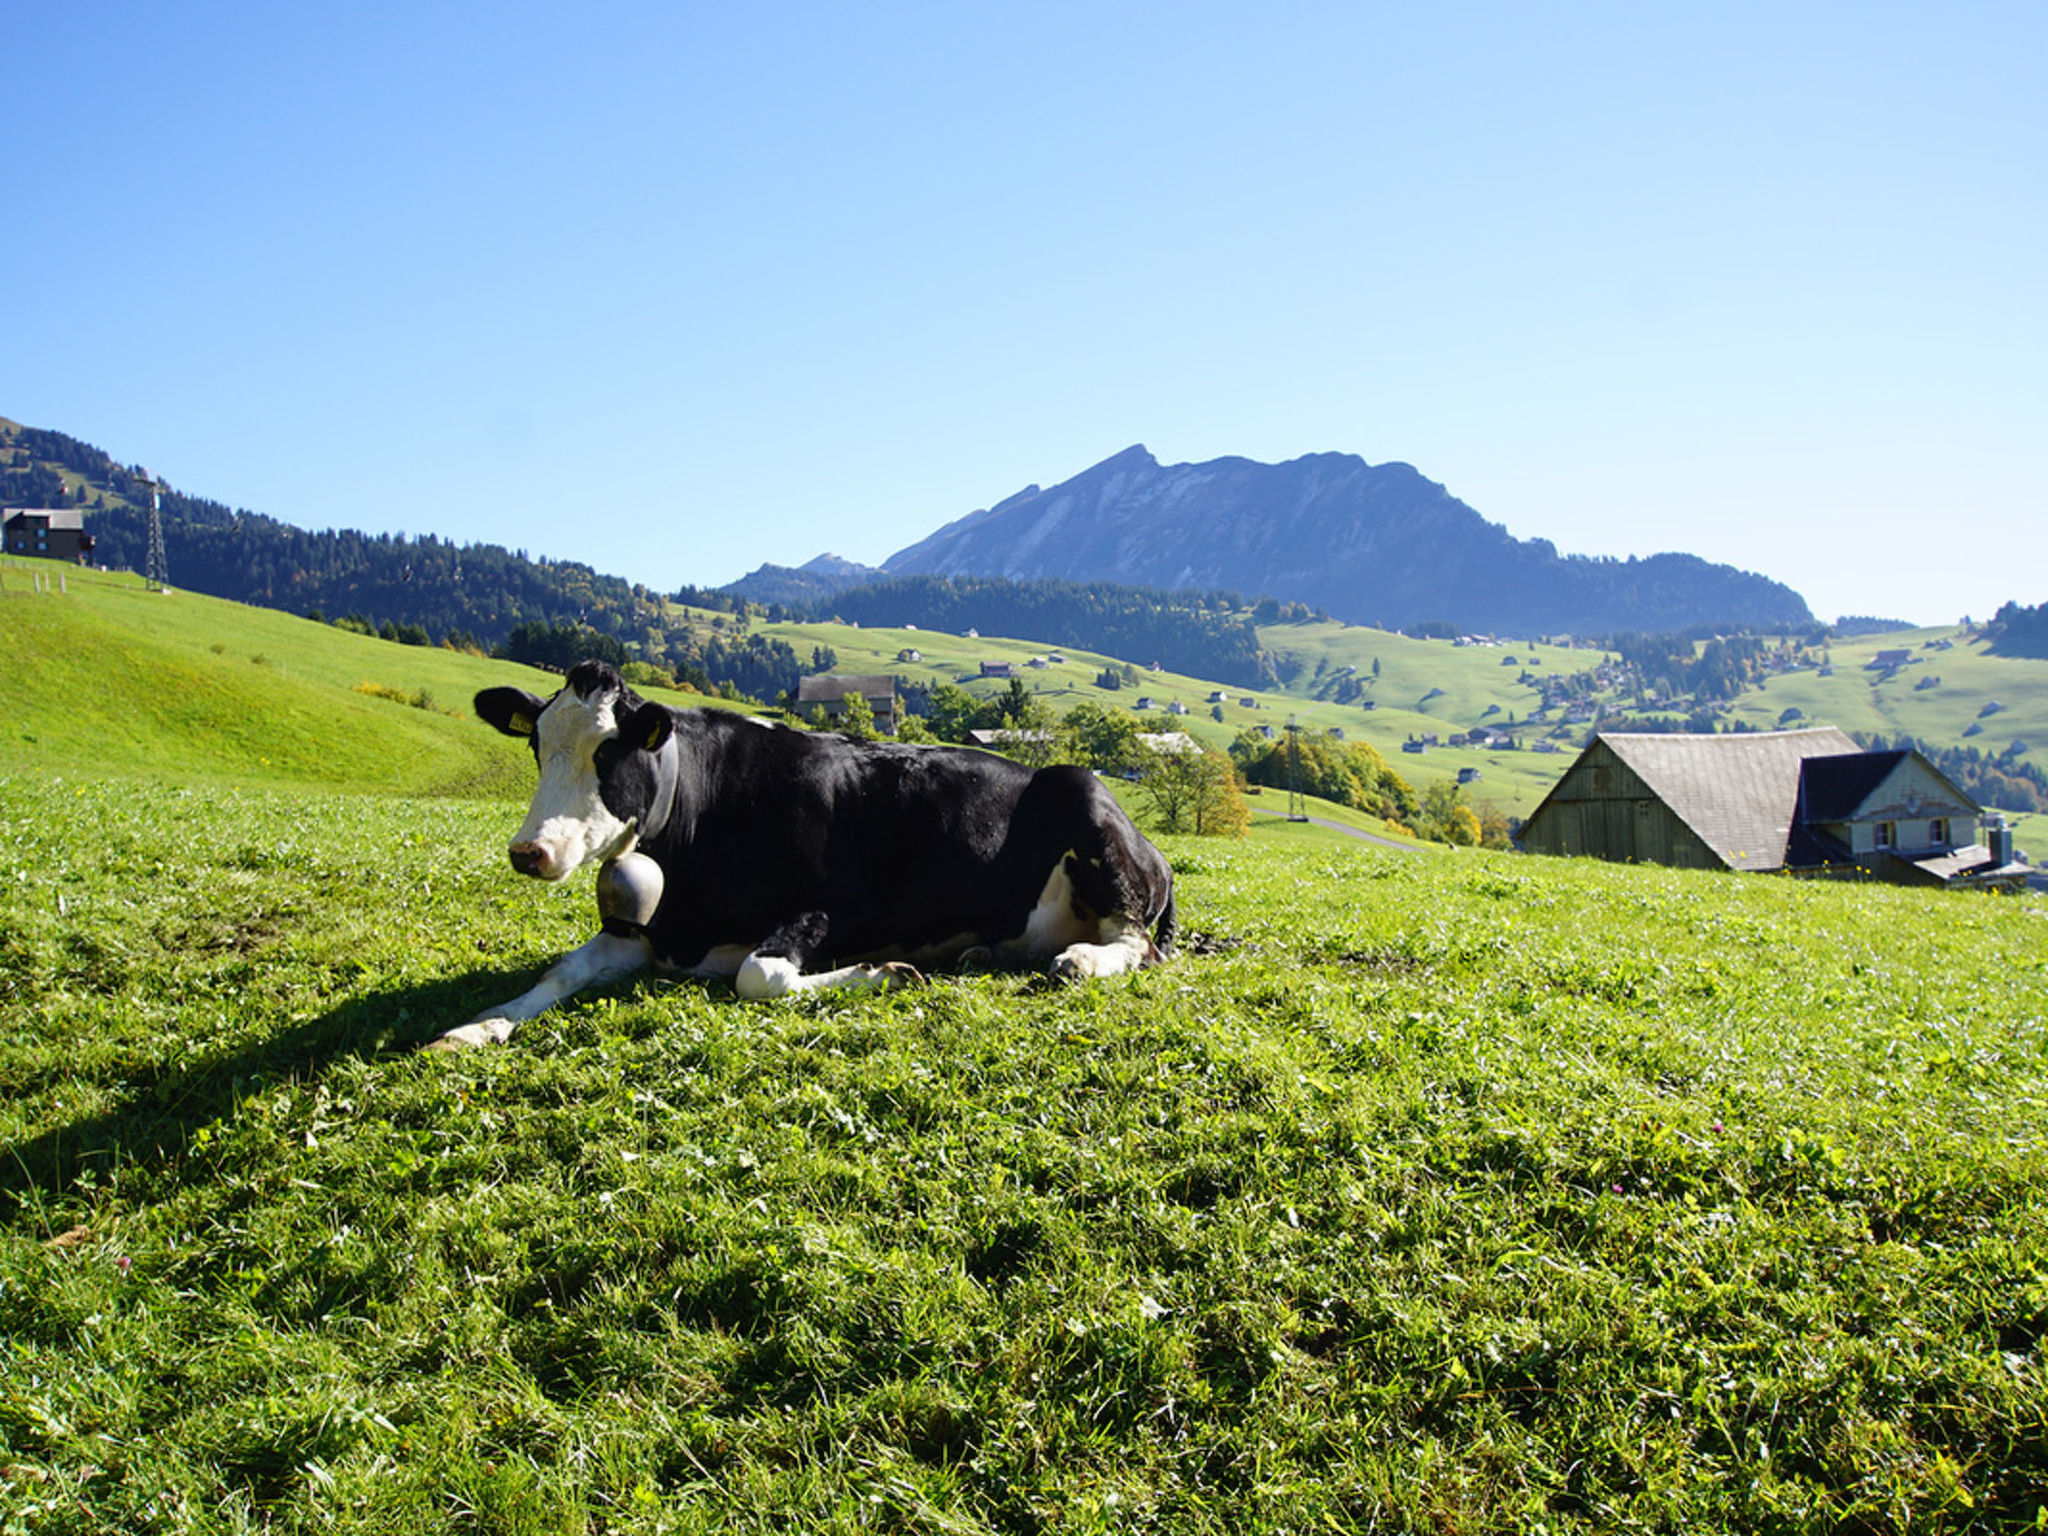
(126, 676)
(1456, 1192)
(1440, 1191)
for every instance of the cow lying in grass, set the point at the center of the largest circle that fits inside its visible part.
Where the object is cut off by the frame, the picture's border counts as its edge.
(787, 860)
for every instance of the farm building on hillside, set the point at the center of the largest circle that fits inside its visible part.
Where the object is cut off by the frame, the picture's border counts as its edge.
(1805, 802)
(830, 692)
(52, 533)
(1010, 739)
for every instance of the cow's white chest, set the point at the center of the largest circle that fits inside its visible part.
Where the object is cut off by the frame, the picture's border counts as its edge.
(1053, 924)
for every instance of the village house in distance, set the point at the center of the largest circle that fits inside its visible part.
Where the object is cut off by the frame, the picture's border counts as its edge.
(51, 533)
(830, 691)
(1807, 802)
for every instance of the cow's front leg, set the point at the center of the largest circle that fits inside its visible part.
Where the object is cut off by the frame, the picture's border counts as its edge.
(604, 958)
(776, 966)
(764, 977)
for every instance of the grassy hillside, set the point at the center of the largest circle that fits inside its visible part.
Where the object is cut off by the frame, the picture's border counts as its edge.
(109, 677)
(1437, 686)
(186, 687)
(1938, 696)
(1454, 1192)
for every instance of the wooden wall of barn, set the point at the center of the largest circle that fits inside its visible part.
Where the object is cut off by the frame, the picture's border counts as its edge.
(1601, 809)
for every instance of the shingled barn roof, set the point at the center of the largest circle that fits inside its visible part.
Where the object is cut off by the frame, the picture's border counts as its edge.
(1737, 792)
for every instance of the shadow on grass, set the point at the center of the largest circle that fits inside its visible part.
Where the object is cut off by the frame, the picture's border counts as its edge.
(160, 1106)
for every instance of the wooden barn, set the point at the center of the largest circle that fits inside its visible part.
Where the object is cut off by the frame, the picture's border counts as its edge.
(1807, 802)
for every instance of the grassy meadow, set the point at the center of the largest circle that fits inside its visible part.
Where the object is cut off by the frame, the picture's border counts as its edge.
(1423, 1192)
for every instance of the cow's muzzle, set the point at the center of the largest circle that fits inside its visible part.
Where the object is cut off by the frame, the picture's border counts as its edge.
(530, 859)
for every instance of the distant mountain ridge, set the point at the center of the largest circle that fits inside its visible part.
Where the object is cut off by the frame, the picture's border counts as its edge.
(1373, 544)
(815, 581)
(1370, 544)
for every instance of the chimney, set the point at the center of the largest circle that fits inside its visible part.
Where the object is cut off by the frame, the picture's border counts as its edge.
(1998, 838)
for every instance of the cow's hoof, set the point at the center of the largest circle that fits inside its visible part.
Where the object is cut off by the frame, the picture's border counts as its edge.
(979, 958)
(456, 1039)
(476, 1032)
(897, 974)
(1083, 962)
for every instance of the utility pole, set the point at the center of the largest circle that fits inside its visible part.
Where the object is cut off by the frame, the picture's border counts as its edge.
(158, 575)
(1297, 808)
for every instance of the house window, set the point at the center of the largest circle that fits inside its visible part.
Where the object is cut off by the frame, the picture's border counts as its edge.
(1886, 833)
(1937, 832)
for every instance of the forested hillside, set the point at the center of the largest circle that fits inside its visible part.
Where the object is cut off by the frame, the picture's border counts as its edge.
(426, 590)
(2017, 631)
(1203, 634)
(488, 597)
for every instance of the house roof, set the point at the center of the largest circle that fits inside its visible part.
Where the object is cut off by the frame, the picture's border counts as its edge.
(1971, 861)
(1007, 737)
(823, 687)
(56, 518)
(1736, 792)
(1831, 789)
(1851, 790)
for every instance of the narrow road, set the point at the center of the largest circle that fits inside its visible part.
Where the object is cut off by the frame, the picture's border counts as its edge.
(1337, 826)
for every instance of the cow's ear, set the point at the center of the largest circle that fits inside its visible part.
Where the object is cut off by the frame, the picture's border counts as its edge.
(649, 726)
(512, 710)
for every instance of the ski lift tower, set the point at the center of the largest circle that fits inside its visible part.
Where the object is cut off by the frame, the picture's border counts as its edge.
(158, 575)
(1297, 808)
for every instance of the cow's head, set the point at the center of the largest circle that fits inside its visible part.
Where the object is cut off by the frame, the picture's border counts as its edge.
(600, 748)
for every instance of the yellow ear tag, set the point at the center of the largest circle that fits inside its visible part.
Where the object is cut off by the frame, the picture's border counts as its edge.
(523, 724)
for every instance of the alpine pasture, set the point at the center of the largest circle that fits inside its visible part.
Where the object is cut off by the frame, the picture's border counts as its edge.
(1423, 1191)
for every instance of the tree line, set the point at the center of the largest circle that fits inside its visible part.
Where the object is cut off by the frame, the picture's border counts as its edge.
(481, 595)
(1200, 634)
(1679, 666)
(2017, 631)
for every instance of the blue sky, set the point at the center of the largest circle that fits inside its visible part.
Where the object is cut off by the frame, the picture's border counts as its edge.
(679, 289)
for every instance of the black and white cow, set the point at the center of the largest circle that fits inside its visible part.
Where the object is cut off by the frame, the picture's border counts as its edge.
(787, 859)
